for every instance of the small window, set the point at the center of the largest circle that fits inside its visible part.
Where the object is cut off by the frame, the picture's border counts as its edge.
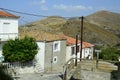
(55, 59)
(72, 50)
(56, 46)
(78, 48)
(6, 23)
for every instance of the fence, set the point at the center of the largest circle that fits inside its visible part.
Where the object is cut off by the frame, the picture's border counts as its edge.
(19, 68)
(18, 64)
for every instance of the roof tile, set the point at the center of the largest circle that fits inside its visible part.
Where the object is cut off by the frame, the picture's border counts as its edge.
(6, 14)
(72, 41)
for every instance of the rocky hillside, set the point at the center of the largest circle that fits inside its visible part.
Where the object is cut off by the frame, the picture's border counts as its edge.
(49, 24)
(106, 20)
(91, 33)
(101, 27)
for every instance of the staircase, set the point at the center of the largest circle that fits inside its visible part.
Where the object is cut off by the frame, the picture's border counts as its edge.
(38, 68)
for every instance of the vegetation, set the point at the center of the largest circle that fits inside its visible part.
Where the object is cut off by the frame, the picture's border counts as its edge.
(20, 49)
(110, 53)
(3, 74)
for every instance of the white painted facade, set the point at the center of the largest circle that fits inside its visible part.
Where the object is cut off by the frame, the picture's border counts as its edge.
(87, 53)
(69, 54)
(40, 56)
(8, 28)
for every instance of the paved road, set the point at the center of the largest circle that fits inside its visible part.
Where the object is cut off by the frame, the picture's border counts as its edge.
(39, 77)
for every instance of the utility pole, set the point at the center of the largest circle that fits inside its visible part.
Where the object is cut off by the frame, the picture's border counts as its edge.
(81, 36)
(76, 50)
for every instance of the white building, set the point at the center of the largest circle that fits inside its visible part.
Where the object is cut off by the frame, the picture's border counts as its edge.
(51, 53)
(54, 49)
(8, 28)
(87, 49)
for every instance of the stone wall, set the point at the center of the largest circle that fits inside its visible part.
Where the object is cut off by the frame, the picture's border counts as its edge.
(92, 75)
(50, 64)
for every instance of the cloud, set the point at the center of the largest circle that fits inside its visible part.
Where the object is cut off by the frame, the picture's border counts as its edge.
(41, 3)
(71, 7)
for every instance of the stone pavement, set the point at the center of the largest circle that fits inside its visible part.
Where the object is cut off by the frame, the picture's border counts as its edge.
(35, 76)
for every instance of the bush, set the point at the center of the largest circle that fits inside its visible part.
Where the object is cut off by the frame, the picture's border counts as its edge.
(21, 50)
(109, 53)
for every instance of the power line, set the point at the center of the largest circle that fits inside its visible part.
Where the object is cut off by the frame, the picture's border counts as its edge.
(23, 13)
(30, 14)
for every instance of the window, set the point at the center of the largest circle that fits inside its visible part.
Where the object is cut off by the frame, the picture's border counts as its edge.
(6, 23)
(72, 50)
(55, 59)
(56, 46)
(78, 48)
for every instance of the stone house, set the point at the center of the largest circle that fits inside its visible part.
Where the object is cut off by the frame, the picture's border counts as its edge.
(52, 49)
(8, 28)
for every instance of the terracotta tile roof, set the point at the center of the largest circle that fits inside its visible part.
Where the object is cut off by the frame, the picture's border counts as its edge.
(86, 45)
(72, 41)
(42, 35)
(6, 14)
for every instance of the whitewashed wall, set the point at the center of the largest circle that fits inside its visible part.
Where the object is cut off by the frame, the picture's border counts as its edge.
(1, 56)
(40, 55)
(68, 53)
(8, 28)
(85, 53)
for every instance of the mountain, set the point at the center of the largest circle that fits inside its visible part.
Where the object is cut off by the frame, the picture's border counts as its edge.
(106, 20)
(99, 28)
(49, 24)
(91, 33)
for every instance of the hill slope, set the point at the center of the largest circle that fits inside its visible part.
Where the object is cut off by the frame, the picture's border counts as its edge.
(49, 24)
(109, 21)
(91, 33)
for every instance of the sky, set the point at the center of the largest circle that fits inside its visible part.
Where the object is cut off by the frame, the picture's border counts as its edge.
(64, 8)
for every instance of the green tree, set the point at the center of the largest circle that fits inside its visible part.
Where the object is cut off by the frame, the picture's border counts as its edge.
(109, 53)
(21, 50)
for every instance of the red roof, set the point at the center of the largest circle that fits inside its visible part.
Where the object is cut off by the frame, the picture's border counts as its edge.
(72, 41)
(6, 14)
(86, 45)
